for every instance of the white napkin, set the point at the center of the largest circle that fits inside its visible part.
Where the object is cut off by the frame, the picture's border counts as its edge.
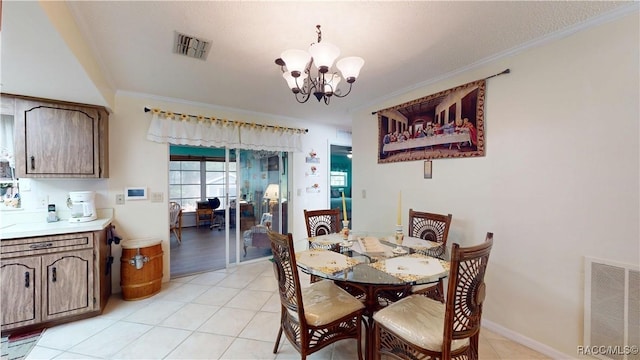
(371, 245)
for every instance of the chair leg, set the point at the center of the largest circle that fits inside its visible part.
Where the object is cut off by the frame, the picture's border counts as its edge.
(275, 348)
(473, 348)
(178, 237)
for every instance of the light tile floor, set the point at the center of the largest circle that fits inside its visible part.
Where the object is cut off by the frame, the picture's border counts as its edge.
(225, 314)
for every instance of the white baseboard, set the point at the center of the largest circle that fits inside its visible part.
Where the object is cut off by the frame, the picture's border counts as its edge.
(523, 340)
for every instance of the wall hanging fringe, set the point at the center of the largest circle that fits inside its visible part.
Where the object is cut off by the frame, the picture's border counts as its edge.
(506, 71)
(184, 117)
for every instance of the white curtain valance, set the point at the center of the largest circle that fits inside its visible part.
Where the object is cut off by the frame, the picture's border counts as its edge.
(186, 132)
(179, 129)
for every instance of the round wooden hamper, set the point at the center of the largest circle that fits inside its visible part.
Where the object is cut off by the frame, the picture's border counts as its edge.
(140, 268)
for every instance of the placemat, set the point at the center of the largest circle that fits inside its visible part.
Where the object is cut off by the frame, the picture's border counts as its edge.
(327, 239)
(371, 245)
(418, 243)
(325, 261)
(412, 267)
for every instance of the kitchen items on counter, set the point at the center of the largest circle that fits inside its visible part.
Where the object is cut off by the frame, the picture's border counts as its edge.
(82, 205)
(51, 213)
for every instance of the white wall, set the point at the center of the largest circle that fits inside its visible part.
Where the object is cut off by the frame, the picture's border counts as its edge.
(559, 180)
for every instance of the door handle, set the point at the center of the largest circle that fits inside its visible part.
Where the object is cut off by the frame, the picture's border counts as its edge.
(54, 275)
(33, 162)
(26, 279)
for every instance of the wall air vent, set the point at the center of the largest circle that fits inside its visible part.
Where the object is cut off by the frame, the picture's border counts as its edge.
(190, 46)
(611, 310)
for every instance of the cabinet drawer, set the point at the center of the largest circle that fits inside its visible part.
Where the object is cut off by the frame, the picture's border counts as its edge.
(45, 245)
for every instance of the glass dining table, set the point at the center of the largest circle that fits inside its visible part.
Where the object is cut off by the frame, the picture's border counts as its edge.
(373, 268)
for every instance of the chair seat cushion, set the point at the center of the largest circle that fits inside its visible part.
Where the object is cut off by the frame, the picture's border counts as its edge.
(418, 320)
(325, 302)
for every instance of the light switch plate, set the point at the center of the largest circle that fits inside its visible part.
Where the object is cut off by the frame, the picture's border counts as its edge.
(156, 197)
(119, 199)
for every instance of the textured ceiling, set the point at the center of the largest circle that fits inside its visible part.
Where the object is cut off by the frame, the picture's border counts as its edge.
(404, 44)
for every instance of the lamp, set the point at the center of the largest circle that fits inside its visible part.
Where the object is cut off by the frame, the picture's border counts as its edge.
(272, 193)
(296, 70)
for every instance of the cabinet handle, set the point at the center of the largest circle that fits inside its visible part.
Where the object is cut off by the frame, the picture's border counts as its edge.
(55, 275)
(33, 163)
(26, 279)
(41, 245)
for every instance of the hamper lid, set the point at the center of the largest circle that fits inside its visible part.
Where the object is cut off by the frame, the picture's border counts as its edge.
(139, 243)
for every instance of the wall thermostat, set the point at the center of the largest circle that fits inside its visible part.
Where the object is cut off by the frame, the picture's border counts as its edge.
(135, 193)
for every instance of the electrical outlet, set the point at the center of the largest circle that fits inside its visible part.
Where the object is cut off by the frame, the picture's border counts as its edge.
(156, 197)
(120, 199)
(43, 201)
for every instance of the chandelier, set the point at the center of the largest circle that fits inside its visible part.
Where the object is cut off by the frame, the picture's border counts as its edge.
(323, 84)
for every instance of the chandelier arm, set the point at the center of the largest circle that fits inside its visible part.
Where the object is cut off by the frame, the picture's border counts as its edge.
(305, 97)
(301, 88)
(341, 96)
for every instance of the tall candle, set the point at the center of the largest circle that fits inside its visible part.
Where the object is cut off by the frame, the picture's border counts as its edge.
(400, 208)
(344, 208)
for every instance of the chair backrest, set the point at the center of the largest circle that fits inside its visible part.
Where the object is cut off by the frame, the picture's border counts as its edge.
(266, 217)
(322, 222)
(284, 261)
(175, 210)
(466, 290)
(429, 226)
(214, 203)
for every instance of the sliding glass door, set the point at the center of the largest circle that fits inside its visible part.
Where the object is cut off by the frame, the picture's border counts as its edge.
(229, 199)
(262, 206)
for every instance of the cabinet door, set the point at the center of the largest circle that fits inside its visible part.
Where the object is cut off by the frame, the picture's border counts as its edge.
(20, 291)
(59, 140)
(68, 287)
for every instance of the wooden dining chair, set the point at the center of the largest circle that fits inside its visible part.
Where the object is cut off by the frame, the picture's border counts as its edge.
(322, 222)
(175, 220)
(316, 316)
(435, 228)
(418, 327)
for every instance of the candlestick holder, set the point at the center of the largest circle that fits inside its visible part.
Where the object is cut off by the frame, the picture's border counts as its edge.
(345, 229)
(399, 239)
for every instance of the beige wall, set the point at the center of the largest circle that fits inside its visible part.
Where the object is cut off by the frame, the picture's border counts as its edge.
(136, 161)
(559, 180)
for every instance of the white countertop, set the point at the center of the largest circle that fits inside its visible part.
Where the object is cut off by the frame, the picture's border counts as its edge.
(22, 228)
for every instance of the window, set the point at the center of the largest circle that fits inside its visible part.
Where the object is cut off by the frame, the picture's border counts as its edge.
(338, 178)
(191, 181)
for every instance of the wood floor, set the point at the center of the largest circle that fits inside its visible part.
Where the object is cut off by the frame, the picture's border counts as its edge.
(202, 250)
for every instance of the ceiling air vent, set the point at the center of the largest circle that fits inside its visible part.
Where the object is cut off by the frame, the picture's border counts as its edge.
(191, 46)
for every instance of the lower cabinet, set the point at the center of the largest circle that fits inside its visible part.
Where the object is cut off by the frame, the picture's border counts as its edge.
(20, 292)
(51, 279)
(68, 286)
